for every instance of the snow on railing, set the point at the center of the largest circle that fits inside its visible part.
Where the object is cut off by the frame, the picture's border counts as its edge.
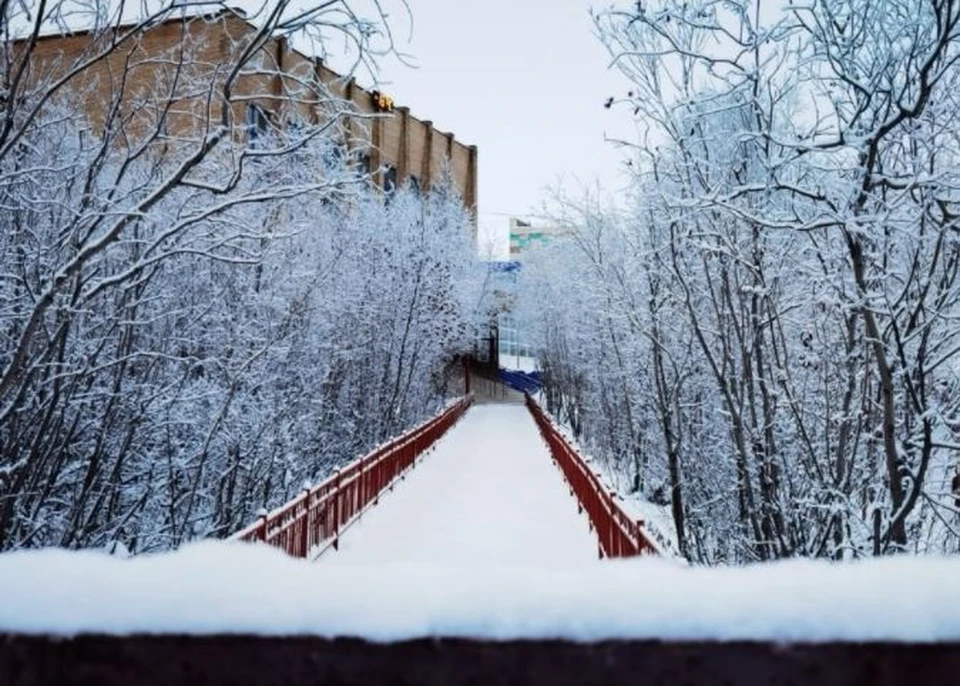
(618, 534)
(318, 515)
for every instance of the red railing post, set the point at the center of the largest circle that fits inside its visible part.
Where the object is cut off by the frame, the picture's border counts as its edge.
(616, 536)
(362, 485)
(336, 509)
(263, 526)
(307, 523)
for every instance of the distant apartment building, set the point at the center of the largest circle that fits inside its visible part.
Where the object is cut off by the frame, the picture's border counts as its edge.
(525, 235)
(147, 71)
(514, 348)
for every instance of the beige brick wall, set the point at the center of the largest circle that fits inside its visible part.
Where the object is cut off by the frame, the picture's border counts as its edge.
(179, 64)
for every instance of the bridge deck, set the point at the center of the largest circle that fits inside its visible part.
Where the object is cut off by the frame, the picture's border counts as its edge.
(489, 493)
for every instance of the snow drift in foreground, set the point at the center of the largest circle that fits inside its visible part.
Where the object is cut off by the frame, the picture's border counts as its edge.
(235, 588)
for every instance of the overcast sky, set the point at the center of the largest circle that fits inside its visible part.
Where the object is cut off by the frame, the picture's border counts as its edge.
(525, 81)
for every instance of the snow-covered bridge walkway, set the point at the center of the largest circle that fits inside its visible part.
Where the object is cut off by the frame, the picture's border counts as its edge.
(487, 493)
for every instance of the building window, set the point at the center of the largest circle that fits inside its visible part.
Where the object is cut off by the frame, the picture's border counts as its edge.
(389, 179)
(256, 123)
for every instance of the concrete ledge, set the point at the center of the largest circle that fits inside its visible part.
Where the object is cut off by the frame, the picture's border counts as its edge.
(184, 660)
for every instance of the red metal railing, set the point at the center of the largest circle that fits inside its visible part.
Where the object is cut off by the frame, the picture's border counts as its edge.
(318, 514)
(619, 535)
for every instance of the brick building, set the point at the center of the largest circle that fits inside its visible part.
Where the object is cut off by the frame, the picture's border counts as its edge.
(152, 74)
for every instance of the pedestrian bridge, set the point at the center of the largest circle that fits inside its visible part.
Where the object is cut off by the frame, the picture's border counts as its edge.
(480, 482)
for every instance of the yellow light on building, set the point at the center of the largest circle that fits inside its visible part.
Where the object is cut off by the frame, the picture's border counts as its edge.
(382, 102)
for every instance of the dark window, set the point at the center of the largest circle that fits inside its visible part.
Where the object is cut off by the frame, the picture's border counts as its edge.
(256, 123)
(389, 179)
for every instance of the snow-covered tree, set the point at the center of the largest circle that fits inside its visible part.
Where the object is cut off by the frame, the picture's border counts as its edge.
(785, 282)
(197, 319)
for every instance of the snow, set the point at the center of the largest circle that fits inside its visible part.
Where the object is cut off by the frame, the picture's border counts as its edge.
(236, 588)
(489, 492)
(481, 540)
(657, 521)
(519, 363)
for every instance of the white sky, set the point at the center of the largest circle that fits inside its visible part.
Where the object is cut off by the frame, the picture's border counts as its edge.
(525, 81)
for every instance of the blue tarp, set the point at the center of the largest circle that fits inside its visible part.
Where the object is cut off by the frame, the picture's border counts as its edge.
(525, 382)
